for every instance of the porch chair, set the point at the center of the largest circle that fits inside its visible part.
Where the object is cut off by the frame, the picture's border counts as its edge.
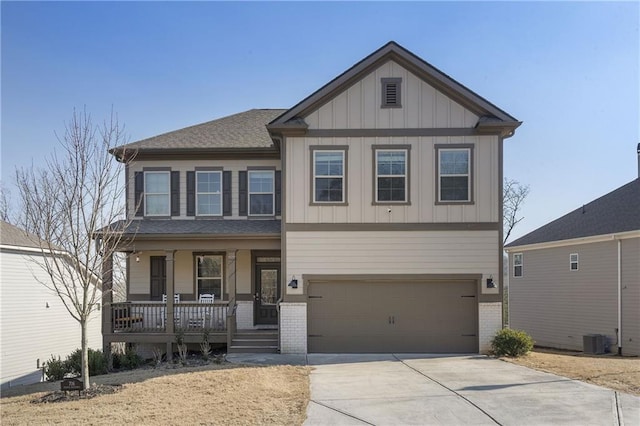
(203, 314)
(207, 298)
(176, 298)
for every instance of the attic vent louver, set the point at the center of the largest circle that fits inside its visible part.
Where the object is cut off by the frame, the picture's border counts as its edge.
(391, 90)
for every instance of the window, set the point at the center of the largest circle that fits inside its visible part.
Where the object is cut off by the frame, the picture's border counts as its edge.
(209, 193)
(391, 175)
(391, 92)
(209, 275)
(329, 176)
(454, 174)
(261, 193)
(517, 265)
(573, 261)
(157, 194)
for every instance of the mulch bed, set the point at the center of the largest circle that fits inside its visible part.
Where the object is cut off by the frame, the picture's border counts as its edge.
(63, 396)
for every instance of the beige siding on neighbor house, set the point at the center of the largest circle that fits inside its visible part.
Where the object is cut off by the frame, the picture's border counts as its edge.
(631, 295)
(422, 179)
(183, 166)
(391, 252)
(359, 106)
(558, 306)
(28, 329)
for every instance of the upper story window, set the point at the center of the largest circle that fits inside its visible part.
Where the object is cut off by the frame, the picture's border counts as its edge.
(391, 175)
(454, 173)
(573, 261)
(329, 175)
(209, 193)
(518, 263)
(261, 192)
(157, 189)
(209, 270)
(391, 91)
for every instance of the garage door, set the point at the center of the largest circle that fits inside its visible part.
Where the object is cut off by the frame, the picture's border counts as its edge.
(366, 316)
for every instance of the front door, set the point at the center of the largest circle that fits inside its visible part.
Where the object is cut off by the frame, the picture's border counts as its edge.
(158, 277)
(267, 294)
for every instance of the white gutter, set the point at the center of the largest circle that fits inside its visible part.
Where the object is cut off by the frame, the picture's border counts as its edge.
(619, 333)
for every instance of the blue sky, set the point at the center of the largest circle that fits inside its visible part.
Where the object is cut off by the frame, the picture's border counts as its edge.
(570, 71)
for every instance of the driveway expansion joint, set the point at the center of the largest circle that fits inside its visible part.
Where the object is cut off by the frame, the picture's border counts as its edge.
(459, 395)
(344, 413)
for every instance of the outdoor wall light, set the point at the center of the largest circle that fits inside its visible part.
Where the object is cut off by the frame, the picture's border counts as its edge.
(294, 282)
(490, 283)
(138, 257)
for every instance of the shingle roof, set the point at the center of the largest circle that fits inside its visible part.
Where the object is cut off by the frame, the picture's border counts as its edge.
(211, 227)
(243, 130)
(11, 235)
(618, 211)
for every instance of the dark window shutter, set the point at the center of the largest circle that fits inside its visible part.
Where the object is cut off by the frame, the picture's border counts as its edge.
(278, 185)
(191, 193)
(242, 193)
(226, 193)
(175, 193)
(139, 190)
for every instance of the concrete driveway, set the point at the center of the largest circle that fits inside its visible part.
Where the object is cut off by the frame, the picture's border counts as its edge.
(454, 390)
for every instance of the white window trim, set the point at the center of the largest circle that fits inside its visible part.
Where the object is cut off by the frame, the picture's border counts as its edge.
(168, 193)
(198, 278)
(467, 175)
(406, 188)
(342, 177)
(273, 193)
(521, 264)
(571, 261)
(198, 172)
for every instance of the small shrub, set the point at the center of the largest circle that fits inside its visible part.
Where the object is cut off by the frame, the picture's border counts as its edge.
(156, 353)
(55, 369)
(511, 343)
(128, 360)
(97, 363)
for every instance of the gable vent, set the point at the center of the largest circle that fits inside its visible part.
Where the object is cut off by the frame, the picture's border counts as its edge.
(391, 92)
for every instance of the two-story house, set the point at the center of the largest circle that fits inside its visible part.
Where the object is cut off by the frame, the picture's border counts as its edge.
(366, 218)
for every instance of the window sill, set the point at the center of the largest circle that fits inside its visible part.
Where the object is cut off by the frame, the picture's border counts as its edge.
(454, 203)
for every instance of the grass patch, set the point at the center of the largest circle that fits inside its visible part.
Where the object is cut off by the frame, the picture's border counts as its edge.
(226, 394)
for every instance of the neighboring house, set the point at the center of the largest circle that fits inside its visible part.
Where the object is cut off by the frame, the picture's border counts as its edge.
(34, 324)
(366, 218)
(580, 275)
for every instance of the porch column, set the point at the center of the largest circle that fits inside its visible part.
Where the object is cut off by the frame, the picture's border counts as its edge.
(169, 324)
(231, 273)
(107, 299)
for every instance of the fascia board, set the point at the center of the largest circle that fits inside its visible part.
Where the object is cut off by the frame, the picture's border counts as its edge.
(574, 241)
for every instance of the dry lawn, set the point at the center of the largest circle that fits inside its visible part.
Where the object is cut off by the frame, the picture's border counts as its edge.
(613, 372)
(216, 394)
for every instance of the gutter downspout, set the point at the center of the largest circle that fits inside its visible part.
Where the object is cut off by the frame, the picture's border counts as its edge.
(619, 297)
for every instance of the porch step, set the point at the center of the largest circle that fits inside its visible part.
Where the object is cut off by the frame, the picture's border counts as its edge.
(254, 341)
(252, 349)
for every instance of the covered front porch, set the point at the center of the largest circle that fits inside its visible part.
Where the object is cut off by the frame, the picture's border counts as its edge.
(242, 273)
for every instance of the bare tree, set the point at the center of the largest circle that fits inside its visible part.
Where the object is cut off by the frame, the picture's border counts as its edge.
(5, 203)
(514, 195)
(66, 204)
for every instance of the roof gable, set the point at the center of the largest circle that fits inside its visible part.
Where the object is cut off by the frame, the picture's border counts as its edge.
(491, 115)
(615, 212)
